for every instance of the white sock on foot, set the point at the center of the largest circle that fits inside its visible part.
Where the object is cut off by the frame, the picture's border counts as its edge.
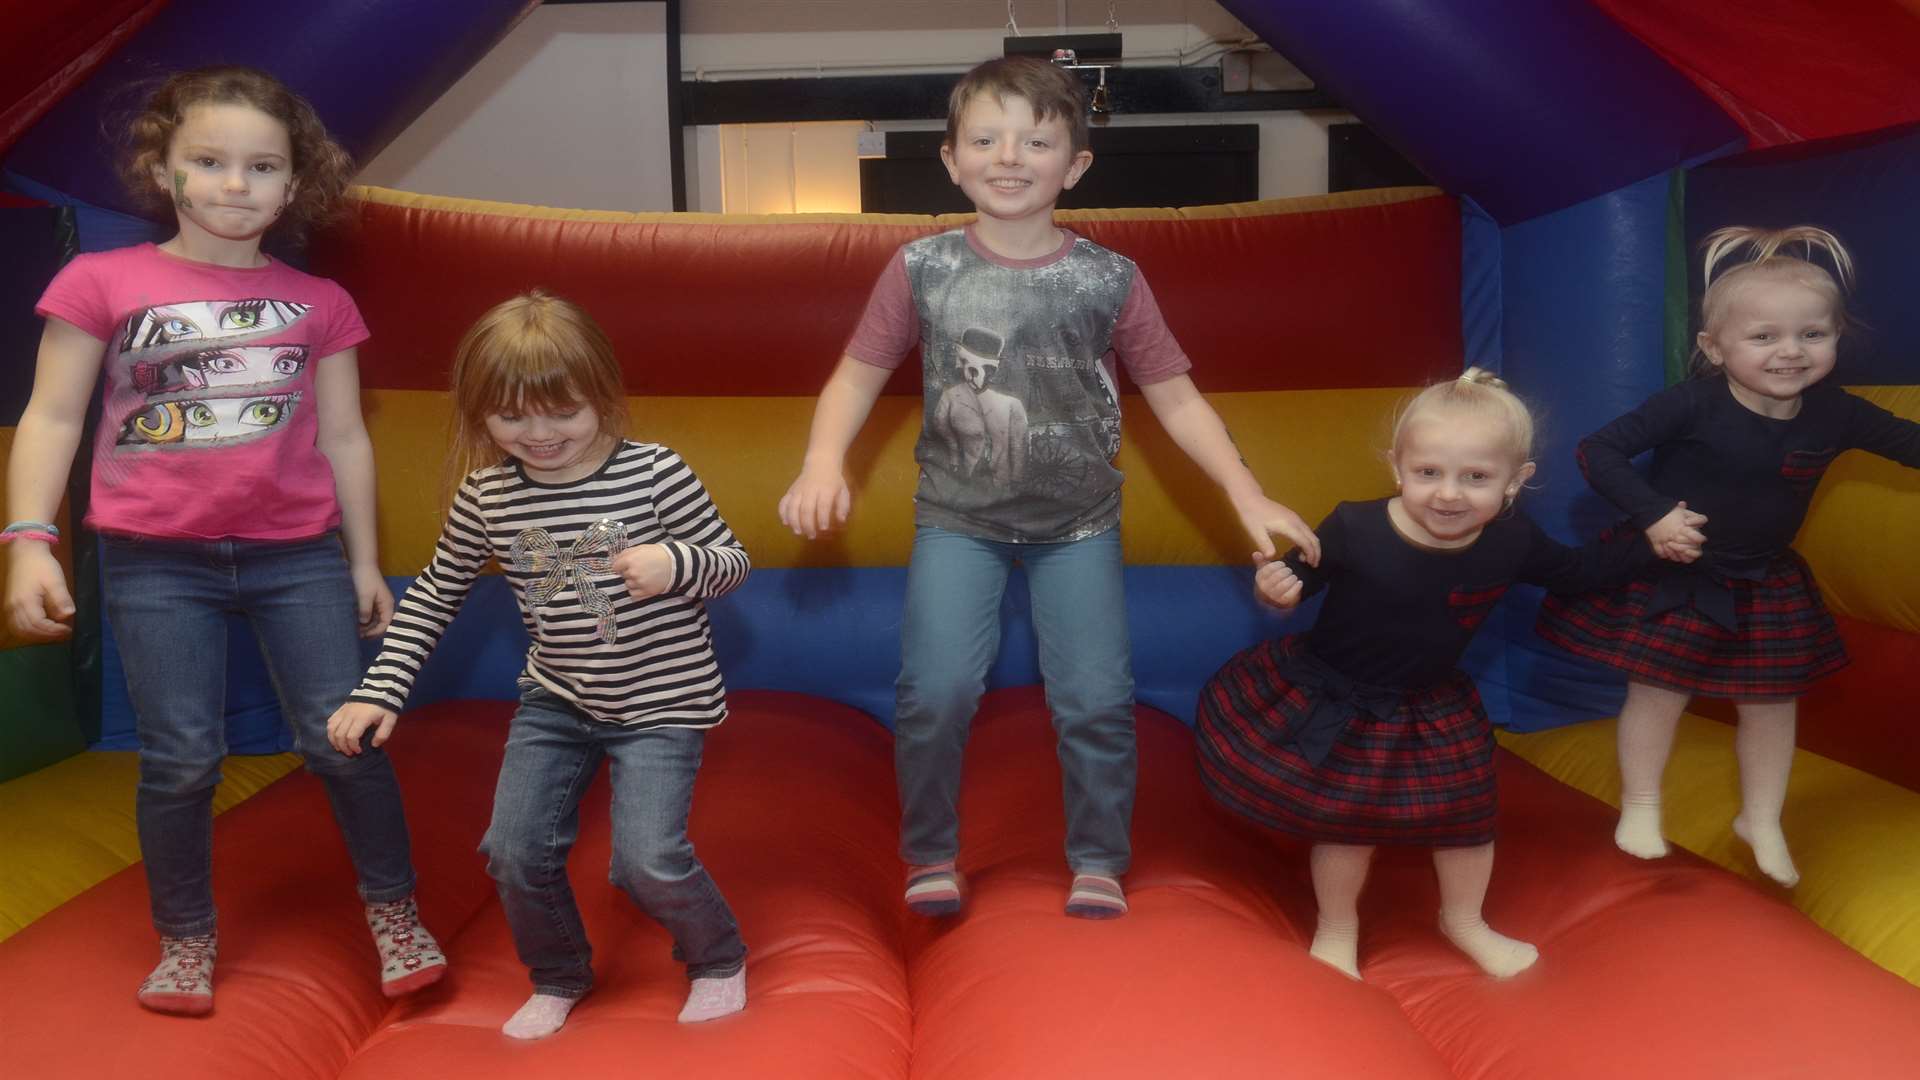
(541, 1016)
(1638, 833)
(1497, 954)
(1769, 846)
(710, 999)
(1338, 947)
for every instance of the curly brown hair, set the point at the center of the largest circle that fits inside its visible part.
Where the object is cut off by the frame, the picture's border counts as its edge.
(322, 168)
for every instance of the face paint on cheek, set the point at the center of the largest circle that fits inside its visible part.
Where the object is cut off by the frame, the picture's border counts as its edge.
(180, 191)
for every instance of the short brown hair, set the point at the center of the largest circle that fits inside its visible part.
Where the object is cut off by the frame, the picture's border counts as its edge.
(1051, 89)
(536, 352)
(322, 168)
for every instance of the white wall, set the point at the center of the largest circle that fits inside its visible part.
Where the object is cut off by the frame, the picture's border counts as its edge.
(570, 109)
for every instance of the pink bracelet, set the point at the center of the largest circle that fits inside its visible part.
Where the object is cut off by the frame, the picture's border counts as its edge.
(25, 534)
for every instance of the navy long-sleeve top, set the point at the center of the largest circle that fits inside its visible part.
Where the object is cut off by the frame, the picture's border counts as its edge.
(1751, 475)
(1399, 614)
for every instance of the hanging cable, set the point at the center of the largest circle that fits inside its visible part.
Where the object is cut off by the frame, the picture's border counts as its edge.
(1113, 24)
(1011, 24)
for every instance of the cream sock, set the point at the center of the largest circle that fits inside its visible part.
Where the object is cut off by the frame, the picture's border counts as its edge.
(1497, 954)
(1769, 846)
(1337, 946)
(1639, 830)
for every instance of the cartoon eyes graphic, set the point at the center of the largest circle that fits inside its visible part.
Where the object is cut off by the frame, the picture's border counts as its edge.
(174, 329)
(214, 420)
(242, 316)
(288, 363)
(223, 363)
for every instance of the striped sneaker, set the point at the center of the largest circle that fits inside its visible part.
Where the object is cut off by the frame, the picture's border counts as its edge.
(938, 889)
(1096, 896)
(183, 983)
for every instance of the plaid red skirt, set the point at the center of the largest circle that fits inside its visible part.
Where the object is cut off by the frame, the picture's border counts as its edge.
(1783, 639)
(1423, 775)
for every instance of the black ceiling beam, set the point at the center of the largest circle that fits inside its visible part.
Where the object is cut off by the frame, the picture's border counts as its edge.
(1138, 90)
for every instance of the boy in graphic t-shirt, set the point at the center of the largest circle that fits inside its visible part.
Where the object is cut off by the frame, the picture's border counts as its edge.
(1019, 323)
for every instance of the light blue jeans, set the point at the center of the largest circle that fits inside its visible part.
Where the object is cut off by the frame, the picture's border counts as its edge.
(169, 601)
(950, 636)
(553, 751)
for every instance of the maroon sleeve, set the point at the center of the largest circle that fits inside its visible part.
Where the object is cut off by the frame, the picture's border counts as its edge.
(1145, 344)
(890, 327)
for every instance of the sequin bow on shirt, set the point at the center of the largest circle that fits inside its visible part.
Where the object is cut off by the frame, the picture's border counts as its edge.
(535, 551)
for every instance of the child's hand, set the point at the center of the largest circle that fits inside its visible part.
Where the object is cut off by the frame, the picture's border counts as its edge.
(39, 607)
(1275, 583)
(817, 503)
(350, 721)
(1677, 537)
(646, 568)
(1262, 518)
(373, 600)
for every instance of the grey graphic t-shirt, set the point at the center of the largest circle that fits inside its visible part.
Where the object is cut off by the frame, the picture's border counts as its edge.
(1022, 416)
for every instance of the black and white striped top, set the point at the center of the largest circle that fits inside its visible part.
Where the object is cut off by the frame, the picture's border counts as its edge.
(638, 663)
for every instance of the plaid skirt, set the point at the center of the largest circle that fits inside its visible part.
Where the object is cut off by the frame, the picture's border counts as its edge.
(1422, 775)
(1782, 640)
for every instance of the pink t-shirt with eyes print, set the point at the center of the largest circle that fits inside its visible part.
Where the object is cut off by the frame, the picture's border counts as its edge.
(207, 423)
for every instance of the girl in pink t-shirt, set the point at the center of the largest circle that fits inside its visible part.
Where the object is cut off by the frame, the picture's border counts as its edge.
(231, 473)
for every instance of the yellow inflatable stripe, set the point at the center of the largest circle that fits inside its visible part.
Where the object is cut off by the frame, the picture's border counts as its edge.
(69, 826)
(1308, 204)
(1864, 522)
(1310, 449)
(1851, 832)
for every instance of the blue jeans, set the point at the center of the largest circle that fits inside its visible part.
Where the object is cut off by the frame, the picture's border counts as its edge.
(948, 641)
(169, 601)
(552, 753)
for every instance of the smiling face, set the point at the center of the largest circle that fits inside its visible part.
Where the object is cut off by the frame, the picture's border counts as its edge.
(1456, 472)
(1775, 338)
(229, 171)
(554, 447)
(1011, 164)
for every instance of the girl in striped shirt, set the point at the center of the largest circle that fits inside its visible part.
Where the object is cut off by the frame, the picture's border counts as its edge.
(610, 546)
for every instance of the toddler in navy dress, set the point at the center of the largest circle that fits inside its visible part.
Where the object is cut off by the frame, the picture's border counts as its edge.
(1746, 444)
(1362, 731)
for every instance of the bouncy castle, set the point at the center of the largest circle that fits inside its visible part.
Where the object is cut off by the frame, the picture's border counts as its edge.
(1579, 151)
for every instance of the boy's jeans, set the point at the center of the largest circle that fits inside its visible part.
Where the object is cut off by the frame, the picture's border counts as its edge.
(552, 753)
(169, 601)
(950, 636)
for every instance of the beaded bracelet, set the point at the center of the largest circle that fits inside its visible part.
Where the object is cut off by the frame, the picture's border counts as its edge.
(30, 530)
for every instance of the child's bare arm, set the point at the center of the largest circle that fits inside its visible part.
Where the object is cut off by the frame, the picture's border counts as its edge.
(819, 499)
(38, 604)
(343, 439)
(1197, 430)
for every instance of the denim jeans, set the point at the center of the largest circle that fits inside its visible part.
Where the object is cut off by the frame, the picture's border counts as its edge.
(553, 750)
(169, 601)
(949, 639)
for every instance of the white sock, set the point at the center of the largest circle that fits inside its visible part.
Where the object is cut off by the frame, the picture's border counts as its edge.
(1497, 954)
(1639, 830)
(1769, 846)
(540, 1017)
(710, 999)
(1337, 946)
